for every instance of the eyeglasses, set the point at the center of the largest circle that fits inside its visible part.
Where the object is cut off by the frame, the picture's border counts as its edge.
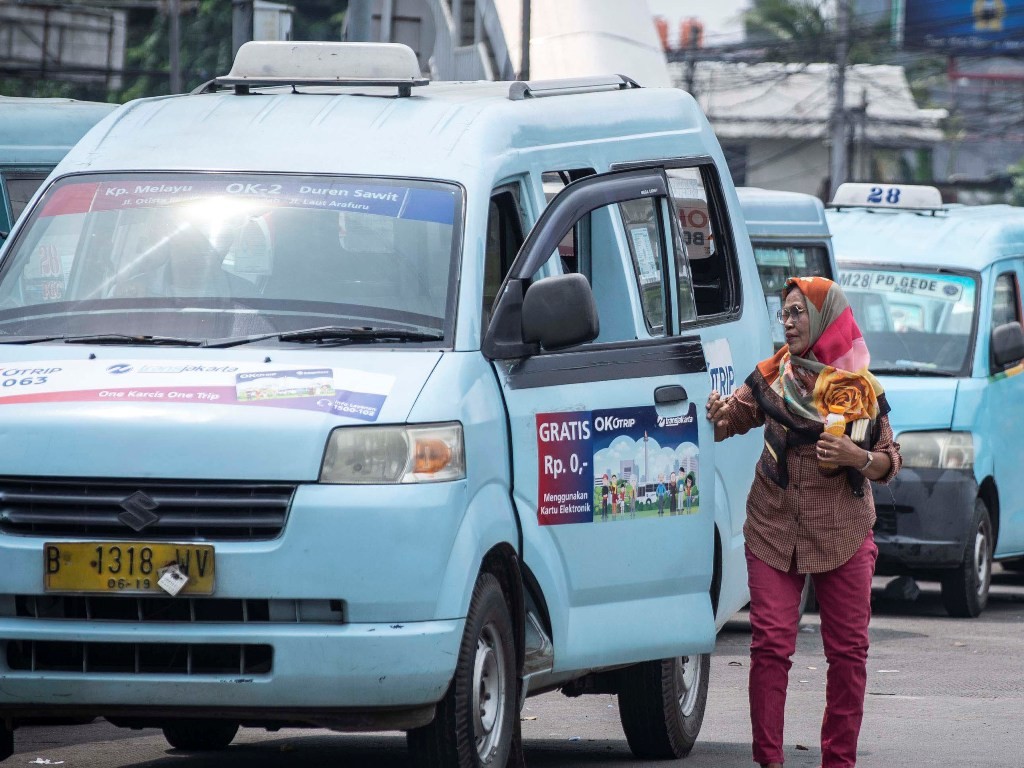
(793, 313)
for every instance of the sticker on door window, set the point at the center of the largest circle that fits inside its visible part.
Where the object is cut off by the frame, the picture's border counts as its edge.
(618, 464)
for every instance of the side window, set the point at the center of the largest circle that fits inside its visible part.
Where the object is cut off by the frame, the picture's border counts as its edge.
(504, 238)
(643, 237)
(1005, 301)
(703, 237)
(624, 246)
(575, 240)
(21, 185)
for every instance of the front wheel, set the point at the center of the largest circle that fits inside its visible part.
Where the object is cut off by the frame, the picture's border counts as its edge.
(200, 735)
(661, 706)
(475, 720)
(965, 588)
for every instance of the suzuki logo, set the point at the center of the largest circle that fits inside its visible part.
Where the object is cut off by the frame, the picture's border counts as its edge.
(138, 511)
(119, 368)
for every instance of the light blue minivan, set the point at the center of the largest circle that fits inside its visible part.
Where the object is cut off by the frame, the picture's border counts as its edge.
(790, 237)
(34, 135)
(936, 291)
(316, 413)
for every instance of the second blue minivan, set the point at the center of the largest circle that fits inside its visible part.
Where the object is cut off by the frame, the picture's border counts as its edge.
(937, 293)
(34, 135)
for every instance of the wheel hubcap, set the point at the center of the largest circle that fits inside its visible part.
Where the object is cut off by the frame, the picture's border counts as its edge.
(688, 671)
(982, 561)
(489, 692)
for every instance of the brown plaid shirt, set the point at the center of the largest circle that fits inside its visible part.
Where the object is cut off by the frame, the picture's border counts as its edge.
(816, 519)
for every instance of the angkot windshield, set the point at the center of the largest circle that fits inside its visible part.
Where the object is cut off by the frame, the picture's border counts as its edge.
(201, 257)
(915, 322)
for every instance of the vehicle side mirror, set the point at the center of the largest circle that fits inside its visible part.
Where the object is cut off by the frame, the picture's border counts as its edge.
(560, 312)
(1007, 344)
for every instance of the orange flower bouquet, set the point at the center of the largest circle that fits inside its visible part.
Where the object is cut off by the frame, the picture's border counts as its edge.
(850, 391)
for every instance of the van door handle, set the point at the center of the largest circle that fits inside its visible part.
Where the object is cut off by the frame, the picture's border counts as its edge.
(673, 393)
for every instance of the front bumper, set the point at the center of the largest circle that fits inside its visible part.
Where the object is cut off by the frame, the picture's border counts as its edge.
(923, 519)
(389, 645)
(319, 673)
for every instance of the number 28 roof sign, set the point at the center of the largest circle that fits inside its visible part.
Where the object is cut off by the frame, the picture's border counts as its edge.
(899, 196)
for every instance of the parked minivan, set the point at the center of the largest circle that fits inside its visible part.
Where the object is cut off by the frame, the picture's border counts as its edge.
(936, 291)
(34, 135)
(309, 420)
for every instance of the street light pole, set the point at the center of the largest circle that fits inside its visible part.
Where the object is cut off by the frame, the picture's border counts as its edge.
(174, 41)
(524, 63)
(839, 162)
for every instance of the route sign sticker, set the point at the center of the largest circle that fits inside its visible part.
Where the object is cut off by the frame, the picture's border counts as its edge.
(929, 286)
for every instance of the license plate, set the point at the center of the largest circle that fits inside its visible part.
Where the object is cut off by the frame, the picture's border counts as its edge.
(125, 567)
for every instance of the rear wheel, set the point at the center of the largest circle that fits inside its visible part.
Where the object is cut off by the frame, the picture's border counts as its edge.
(476, 718)
(200, 735)
(661, 705)
(965, 588)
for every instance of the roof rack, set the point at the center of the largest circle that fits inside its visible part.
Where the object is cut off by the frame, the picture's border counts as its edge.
(270, 63)
(533, 89)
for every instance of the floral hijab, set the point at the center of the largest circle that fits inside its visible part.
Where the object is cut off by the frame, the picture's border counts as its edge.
(796, 392)
(834, 370)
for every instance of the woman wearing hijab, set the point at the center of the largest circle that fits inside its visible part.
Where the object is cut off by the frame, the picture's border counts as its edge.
(802, 518)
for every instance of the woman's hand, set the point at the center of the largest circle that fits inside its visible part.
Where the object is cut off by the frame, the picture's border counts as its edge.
(718, 414)
(840, 450)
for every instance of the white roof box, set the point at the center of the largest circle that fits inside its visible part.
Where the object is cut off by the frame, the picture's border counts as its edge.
(324, 63)
(912, 197)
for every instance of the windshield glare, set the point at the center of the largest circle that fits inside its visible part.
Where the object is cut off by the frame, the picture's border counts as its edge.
(913, 320)
(221, 255)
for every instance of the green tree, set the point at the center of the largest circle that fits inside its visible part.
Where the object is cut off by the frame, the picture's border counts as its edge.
(1017, 178)
(206, 42)
(800, 31)
(789, 30)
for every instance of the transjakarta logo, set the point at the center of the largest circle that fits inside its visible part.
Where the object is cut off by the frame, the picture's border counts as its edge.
(674, 421)
(119, 368)
(188, 369)
(606, 423)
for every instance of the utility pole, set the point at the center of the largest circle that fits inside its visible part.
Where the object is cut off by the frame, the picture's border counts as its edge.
(839, 162)
(524, 62)
(691, 59)
(358, 19)
(174, 42)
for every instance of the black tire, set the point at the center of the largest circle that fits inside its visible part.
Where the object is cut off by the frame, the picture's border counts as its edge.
(1017, 566)
(661, 706)
(200, 735)
(965, 588)
(476, 718)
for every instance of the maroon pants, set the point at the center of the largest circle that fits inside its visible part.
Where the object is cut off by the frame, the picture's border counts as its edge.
(844, 601)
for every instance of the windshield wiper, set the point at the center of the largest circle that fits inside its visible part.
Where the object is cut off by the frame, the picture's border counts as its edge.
(128, 339)
(365, 333)
(335, 334)
(28, 339)
(911, 369)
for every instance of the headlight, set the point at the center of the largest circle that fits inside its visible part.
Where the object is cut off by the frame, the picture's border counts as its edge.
(386, 455)
(937, 450)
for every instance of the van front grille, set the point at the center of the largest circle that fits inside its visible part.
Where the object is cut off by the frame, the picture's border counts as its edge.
(172, 510)
(139, 658)
(185, 610)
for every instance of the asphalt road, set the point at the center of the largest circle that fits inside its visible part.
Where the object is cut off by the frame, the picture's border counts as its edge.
(941, 692)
